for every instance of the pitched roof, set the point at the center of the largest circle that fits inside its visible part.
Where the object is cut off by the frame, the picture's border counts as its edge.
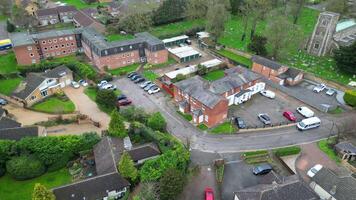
(47, 11)
(6, 122)
(290, 73)
(91, 189)
(61, 9)
(107, 153)
(85, 17)
(2, 111)
(144, 152)
(346, 146)
(18, 133)
(266, 62)
(57, 72)
(344, 187)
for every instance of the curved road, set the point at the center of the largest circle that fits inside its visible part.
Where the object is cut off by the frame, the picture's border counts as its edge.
(252, 140)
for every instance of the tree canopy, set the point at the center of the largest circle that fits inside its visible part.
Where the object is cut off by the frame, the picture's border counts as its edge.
(171, 184)
(127, 168)
(40, 192)
(116, 125)
(157, 122)
(345, 58)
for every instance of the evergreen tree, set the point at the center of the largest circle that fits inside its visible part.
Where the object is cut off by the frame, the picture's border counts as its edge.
(127, 168)
(116, 125)
(171, 184)
(169, 11)
(40, 192)
(216, 22)
(345, 58)
(157, 122)
(10, 27)
(258, 45)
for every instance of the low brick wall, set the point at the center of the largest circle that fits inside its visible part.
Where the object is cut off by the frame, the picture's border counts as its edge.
(12, 100)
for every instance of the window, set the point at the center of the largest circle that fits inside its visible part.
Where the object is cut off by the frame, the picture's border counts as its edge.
(33, 98)
(316, 46)
(44, 93)
(58, 53)
(29, 48)
(60, 39)
(63, 45)
(72, 44)
(70, 38)
(130, 47)
(33, 61)
(45, 48)
(56, 46)
(31, 55)
(54, 40)
(206, 118)
(66, 38)
(44, 42)
(50, 41)
(64, 52)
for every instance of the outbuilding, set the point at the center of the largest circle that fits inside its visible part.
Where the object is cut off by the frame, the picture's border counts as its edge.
(184, 54)
(175, 40)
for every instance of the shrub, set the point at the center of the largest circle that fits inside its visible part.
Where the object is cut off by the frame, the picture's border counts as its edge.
(157, 122)
(116, 125)
(287, 151)
(25, 167)
(350, 97)
(2, 170)
(106, 99)
(171, 184)
(127, 167)
(134, 114)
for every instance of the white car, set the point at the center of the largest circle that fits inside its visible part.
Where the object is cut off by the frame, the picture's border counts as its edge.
(311, 173)
(108, 86)
(153, 90)
(82, 82)
(75, 85)
(102, 83)
(319, 88)
(268, 93)
(305, 111)
(330, 92)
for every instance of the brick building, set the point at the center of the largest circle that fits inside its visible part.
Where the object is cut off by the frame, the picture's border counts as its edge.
(143, 48)
(208, 101)
(88, 18)
(276, 72)
(55, 15)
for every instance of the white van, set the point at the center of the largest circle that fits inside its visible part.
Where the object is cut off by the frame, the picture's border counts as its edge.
(309, 123)
(305, 111)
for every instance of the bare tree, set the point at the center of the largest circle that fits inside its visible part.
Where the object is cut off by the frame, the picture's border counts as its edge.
(259, 10)
(295, 8)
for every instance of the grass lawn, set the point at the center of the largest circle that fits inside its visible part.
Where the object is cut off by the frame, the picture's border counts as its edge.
(186, 116)
(156, 66)
(118, 37)
(202, 127)
(3, 17)
(214, 75)
(236, 58)
(255, 153)
(91, 93)
(54, 105)
(224, 128)
(8, 63)
(175, 29)
(124, 70)
(79, 4)
(7, 86)
(150, 75)
(24, 189)
(338, 110)
(324, 146)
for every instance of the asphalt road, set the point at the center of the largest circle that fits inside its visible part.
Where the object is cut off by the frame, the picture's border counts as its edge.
(240, 142)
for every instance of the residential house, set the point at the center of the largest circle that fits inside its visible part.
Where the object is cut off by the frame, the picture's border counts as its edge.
(143, 153)
(66, 13)
(31, 6)
(47, 16)
(13, 130)
(276, 72)
(38, 86)
(108, 183)
(208, 101)
(114, 8)
(330, 186)
(290, 189)
(346, 150)
(87, 18)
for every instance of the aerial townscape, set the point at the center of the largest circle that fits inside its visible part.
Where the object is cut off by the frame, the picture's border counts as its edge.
(178, 100)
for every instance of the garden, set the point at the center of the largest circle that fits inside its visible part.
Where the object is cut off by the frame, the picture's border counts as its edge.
(105, 99)
(326, 146)
(124, 70)
(80, 4)
(9, 79)
(57, 104)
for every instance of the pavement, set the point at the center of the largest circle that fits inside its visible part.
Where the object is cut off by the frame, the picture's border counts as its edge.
(3, 31)
(240, 142)
(86, 106)
(72, 129)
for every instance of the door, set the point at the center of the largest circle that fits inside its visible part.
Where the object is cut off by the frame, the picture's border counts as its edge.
(201, 117)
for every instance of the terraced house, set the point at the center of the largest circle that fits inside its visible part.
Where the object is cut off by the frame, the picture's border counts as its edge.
(208, 102)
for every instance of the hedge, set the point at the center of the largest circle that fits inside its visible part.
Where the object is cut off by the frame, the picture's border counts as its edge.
(287, 151)
(350, 97)
(25, 167)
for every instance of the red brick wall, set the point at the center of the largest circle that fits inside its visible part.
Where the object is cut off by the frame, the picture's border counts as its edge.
(58, 46)
(157, 57)
(26, 54)
(117, 60)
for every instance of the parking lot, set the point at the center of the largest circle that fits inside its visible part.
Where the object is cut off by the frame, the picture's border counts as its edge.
(274, 108)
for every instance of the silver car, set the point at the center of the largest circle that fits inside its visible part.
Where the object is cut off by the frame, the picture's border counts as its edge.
(144, 84)
(264, 118)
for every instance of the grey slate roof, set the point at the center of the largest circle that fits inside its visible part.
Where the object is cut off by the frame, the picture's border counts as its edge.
(144, 152)
(84, 17)
(291, 190)
(197, 88)
(21, 39)
(345, 186)
(107, 153)
(46, 11)
(290, 73)
(18, 133)
(346, 146)
(6, 123)
(91, 189)
(266, 62)
(61, 9)
(57, 72)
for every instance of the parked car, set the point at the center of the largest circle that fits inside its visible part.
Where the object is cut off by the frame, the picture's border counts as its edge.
(289, 115)
(102, 83)
(209, 193)
(268, 93)
(144, 84)
(3, 101)
(319, 88)
(311, 173)
(153, 90)
(305, 111)
(139, 80)
(82, 82)
(309, 123)
(330, 92)
(262, 169)
(121, 97)
(124, 102)
(134, 77)
(149, 86)
(189, 42)
(75, 85)
(131, 74)
(240, 122)
(108, 87)
(264, 118)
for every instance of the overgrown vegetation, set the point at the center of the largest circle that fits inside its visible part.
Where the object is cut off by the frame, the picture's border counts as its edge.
(186, 116)
(327, 146)
(350, 97)
(236, 58)
(224, 128)
(124, 70)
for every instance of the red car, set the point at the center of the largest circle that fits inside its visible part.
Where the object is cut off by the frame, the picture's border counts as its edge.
(209, 194)
(124, 102)
(289, 115)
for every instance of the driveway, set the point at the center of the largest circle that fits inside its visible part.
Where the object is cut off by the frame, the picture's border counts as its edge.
(3, 31)
(86, 106)
(72, 129)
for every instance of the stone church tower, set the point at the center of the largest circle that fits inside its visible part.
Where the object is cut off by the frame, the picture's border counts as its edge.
(321, 41)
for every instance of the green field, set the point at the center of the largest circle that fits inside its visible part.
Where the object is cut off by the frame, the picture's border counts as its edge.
(118, 37)
(324, 146)
(54, 105)
(236, 58)
(8, 63)
(11, 189)
(7, 86)
(224, 128)
(79, 4)
(124, 70)
(214, 75)
(150, 75)
(175, 29)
